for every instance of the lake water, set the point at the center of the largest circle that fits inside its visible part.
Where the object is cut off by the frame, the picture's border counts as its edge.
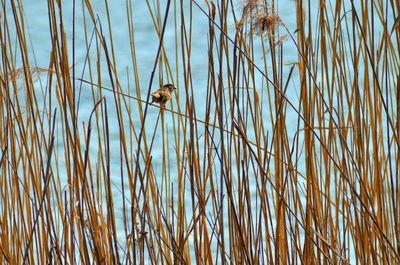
(146, 42)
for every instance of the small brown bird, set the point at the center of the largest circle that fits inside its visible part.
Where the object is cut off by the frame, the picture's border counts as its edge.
(163, 94)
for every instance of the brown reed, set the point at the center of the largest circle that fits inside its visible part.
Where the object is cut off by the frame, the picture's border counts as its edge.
(279, 163)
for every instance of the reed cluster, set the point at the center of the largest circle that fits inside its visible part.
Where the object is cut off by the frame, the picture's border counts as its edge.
(265, 162)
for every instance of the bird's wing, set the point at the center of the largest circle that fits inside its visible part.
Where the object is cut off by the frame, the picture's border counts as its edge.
(156, 94)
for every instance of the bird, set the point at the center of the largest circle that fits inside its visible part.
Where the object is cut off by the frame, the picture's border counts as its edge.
(163, 94)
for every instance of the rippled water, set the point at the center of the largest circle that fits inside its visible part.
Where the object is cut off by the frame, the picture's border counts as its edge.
(146, 43)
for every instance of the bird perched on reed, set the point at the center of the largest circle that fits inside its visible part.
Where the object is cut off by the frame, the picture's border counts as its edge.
(163, 94)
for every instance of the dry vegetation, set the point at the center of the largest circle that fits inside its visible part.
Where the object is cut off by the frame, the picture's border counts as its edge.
(249, 175)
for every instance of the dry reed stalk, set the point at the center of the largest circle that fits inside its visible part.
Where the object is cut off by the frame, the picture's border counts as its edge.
(253, 175)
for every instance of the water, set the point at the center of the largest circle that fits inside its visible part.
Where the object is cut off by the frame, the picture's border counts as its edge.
(146, 43)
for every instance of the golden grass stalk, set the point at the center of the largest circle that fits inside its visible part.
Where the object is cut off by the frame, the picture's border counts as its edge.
(276, 163)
